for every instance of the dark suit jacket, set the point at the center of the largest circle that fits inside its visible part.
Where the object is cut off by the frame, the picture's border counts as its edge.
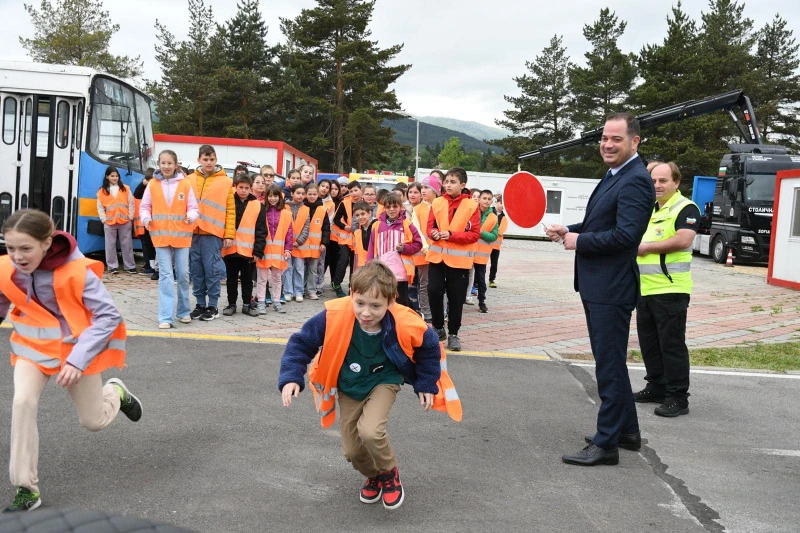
(616, 218)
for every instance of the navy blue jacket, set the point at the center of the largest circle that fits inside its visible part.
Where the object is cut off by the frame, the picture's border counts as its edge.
(422, 374)
(616, 219)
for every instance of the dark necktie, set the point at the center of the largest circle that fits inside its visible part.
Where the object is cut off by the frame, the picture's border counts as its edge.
(608, 175)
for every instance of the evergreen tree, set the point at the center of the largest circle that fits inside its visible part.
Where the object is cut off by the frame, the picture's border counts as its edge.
(779, 89)
(540, 114)
(451, 155)
(346, 72)
(726, 44)
(77, 32)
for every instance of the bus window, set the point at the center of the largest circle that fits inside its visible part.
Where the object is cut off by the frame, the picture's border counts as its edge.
(57, 213)
(28, 120)
(62, 124)
(9, 120)
(43, 128)
(145, 130)
(112, 129)
(77, 127)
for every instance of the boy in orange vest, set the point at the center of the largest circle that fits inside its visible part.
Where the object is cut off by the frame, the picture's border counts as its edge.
(363, 234)
(215, 229)
(369, 348)
(249, 242)
(454, 226)
(502, 222)
(483, 248)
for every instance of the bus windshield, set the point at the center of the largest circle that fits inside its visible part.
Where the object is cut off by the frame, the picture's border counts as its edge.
(120, 127)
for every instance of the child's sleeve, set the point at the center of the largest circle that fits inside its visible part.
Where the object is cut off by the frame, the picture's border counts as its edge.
(261, 233)
(146, 207)
(301, 239)
(192, 209)
(230, 216)
(427, 359)
(490, 236)
(131, 205)
(338, 217)
(416, 242)
(301, 350)
(326, 230)
(288, 243)
(101, 211)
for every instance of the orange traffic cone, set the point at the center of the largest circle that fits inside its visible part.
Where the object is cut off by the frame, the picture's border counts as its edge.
(729, 262)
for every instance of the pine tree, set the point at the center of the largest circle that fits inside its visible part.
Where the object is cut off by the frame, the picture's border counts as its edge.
(726, 43)
(779, 89)
(540, 114)
(77, 32)
(330, 50)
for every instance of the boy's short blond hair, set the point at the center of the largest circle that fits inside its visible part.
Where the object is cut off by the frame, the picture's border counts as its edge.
(374, 278)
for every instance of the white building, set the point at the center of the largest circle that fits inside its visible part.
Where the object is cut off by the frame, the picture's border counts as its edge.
(784, 251)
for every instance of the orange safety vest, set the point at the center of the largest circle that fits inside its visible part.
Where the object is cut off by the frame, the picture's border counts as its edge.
(116, 207)
(360, 253)
(344, 236)
(297, 228)
(380, 210)
(323, 374)
(483, 249)
(311, 248)
(138, 227)
(408, 260)
(423, 211)
(213, 203)
(168, 226)
(245, 237)
(453, 255)
(273, 251)
(503, 228)
(37, 335)
(330, 207)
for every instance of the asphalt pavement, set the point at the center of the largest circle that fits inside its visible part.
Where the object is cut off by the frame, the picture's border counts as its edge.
(215, 451)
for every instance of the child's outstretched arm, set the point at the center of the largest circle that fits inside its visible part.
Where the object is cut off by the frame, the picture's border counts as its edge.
(299, 352)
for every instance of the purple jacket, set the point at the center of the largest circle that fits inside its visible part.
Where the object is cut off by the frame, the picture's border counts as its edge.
(273, 217)
(390, 234)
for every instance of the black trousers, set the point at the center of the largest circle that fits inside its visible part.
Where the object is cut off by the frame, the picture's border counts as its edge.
(331, 258)
(148, 250)
(661, 324)
(453, 281)
(494, 258)
(480, 282)
(345, 257)
(402, 294)
(239, 267)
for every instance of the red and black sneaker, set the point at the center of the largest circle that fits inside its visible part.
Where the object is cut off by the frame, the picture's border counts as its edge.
(371, 491)
(392, 489)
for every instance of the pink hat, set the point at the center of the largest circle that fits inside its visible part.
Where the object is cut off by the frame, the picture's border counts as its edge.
(433, 182)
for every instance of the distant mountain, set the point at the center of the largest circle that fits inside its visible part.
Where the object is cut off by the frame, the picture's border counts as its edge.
(473, 129)
(406, 133)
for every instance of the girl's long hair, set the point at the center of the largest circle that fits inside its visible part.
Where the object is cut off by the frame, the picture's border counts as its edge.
(336, 199)
(106, 184)
(274, 190)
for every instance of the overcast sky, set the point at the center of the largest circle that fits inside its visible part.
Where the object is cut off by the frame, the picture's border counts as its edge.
(465, 53)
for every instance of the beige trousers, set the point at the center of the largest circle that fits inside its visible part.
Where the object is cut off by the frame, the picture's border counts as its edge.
(363, 424)
(97, 406)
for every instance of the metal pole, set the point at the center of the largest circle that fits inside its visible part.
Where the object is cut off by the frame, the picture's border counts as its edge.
(416, 157)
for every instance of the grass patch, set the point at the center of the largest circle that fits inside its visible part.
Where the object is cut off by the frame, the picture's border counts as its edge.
(778, 357)
(756, 308)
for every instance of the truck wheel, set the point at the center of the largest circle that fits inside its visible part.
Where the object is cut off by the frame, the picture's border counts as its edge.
(718, 250)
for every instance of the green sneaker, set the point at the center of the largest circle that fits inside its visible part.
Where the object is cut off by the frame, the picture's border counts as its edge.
(25, 500)
(129, 404)
(492, 285)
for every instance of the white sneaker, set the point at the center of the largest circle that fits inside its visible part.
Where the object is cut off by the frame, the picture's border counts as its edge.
(313, 296)
(165, 325)
(470, 301)
(186, 319)
(298, 298)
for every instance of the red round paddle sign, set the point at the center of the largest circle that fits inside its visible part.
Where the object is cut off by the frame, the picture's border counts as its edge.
(524, 199)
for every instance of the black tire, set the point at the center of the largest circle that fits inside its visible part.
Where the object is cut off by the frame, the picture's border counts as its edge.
(69, 520)
(719, 251)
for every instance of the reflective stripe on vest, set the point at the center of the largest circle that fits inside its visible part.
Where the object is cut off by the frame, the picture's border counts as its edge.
(323, 373)
(500, 232)
(212, 202)
(273, 251)
(245, 238)
(297, 228)
(666, 273)
(116, 208)
(483, 249)
(423, 211)
(453, 255)
(167, 224)
(38, 336)
(344, 236)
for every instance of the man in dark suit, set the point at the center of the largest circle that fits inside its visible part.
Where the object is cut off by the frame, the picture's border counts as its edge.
(607, 278)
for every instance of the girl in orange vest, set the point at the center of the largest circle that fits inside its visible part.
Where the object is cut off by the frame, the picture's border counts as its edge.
(319, 234)
(65, 325)
(115, 207)
(294, 275)
(369, 348)
(169, 210)
(277, 251)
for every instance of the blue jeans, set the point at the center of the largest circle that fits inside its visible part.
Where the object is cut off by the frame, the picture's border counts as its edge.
(294, 276)
(208, 269)
(166, 289)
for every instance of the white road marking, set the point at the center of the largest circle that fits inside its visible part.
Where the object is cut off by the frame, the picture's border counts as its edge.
(784, 453)
(715, 372)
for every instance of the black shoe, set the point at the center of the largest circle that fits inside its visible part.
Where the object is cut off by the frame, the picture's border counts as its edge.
(129, 404)
(210, 314)
(648, 396)
(228, 311)
(132, 271)
(199, 310)
(591, 456)
(154, 277)
(453, 343)
(482, 308)
(441, 333)
(632, 441)
(338, 290)
(113, 271)
(147, 271)
(672, 408)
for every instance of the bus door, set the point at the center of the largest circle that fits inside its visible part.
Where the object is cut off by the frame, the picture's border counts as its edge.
(54, 157)
(14, 151)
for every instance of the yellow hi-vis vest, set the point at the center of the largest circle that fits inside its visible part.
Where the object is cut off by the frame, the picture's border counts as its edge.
(483, 249)
(666, 273)
(245, 239)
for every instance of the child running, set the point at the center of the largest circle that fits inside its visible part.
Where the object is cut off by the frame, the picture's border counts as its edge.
(169, 210)
(115, 207)
(65, 325)
(277, 251)
(369, 348)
